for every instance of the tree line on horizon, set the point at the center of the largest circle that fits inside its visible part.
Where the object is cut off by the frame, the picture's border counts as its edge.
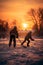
(37, 17)
(4, 28)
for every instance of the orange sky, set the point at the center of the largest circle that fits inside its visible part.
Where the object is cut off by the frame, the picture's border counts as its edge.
(11, 9)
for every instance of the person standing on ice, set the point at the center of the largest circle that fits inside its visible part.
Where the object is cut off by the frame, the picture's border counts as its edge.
(27, 38)
(13, 36)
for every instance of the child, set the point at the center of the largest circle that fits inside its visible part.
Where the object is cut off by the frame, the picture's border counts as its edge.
(13, 36)
(27, 37)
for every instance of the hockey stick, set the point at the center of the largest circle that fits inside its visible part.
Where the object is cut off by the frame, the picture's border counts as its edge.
(19, 40)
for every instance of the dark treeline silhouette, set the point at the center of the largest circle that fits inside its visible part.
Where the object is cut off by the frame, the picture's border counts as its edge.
(3, 28)
(37, 18)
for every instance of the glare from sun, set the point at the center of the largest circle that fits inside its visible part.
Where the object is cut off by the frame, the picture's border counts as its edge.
(25, 25)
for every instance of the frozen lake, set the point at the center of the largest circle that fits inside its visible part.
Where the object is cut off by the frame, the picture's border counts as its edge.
(32, 55)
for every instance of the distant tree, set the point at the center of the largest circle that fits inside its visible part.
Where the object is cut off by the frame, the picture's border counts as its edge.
(2, 31)
(40, 18)
(3, 28)
(7, 29)
(37, 17)
(6, 26)
(33, 15)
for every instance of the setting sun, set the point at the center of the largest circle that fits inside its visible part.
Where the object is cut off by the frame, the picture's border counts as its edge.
(24, 25)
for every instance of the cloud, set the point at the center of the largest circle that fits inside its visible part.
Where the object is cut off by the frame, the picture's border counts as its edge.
(3, 1)
(22, 0)
(35, 1)
(39, 1)
(11, 0)
(27, 1)
(20, 4)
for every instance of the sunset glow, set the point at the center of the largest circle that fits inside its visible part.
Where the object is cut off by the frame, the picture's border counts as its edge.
(11, 9)
(24, 26)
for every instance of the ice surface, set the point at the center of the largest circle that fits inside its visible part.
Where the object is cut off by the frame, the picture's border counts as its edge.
(32, 55)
